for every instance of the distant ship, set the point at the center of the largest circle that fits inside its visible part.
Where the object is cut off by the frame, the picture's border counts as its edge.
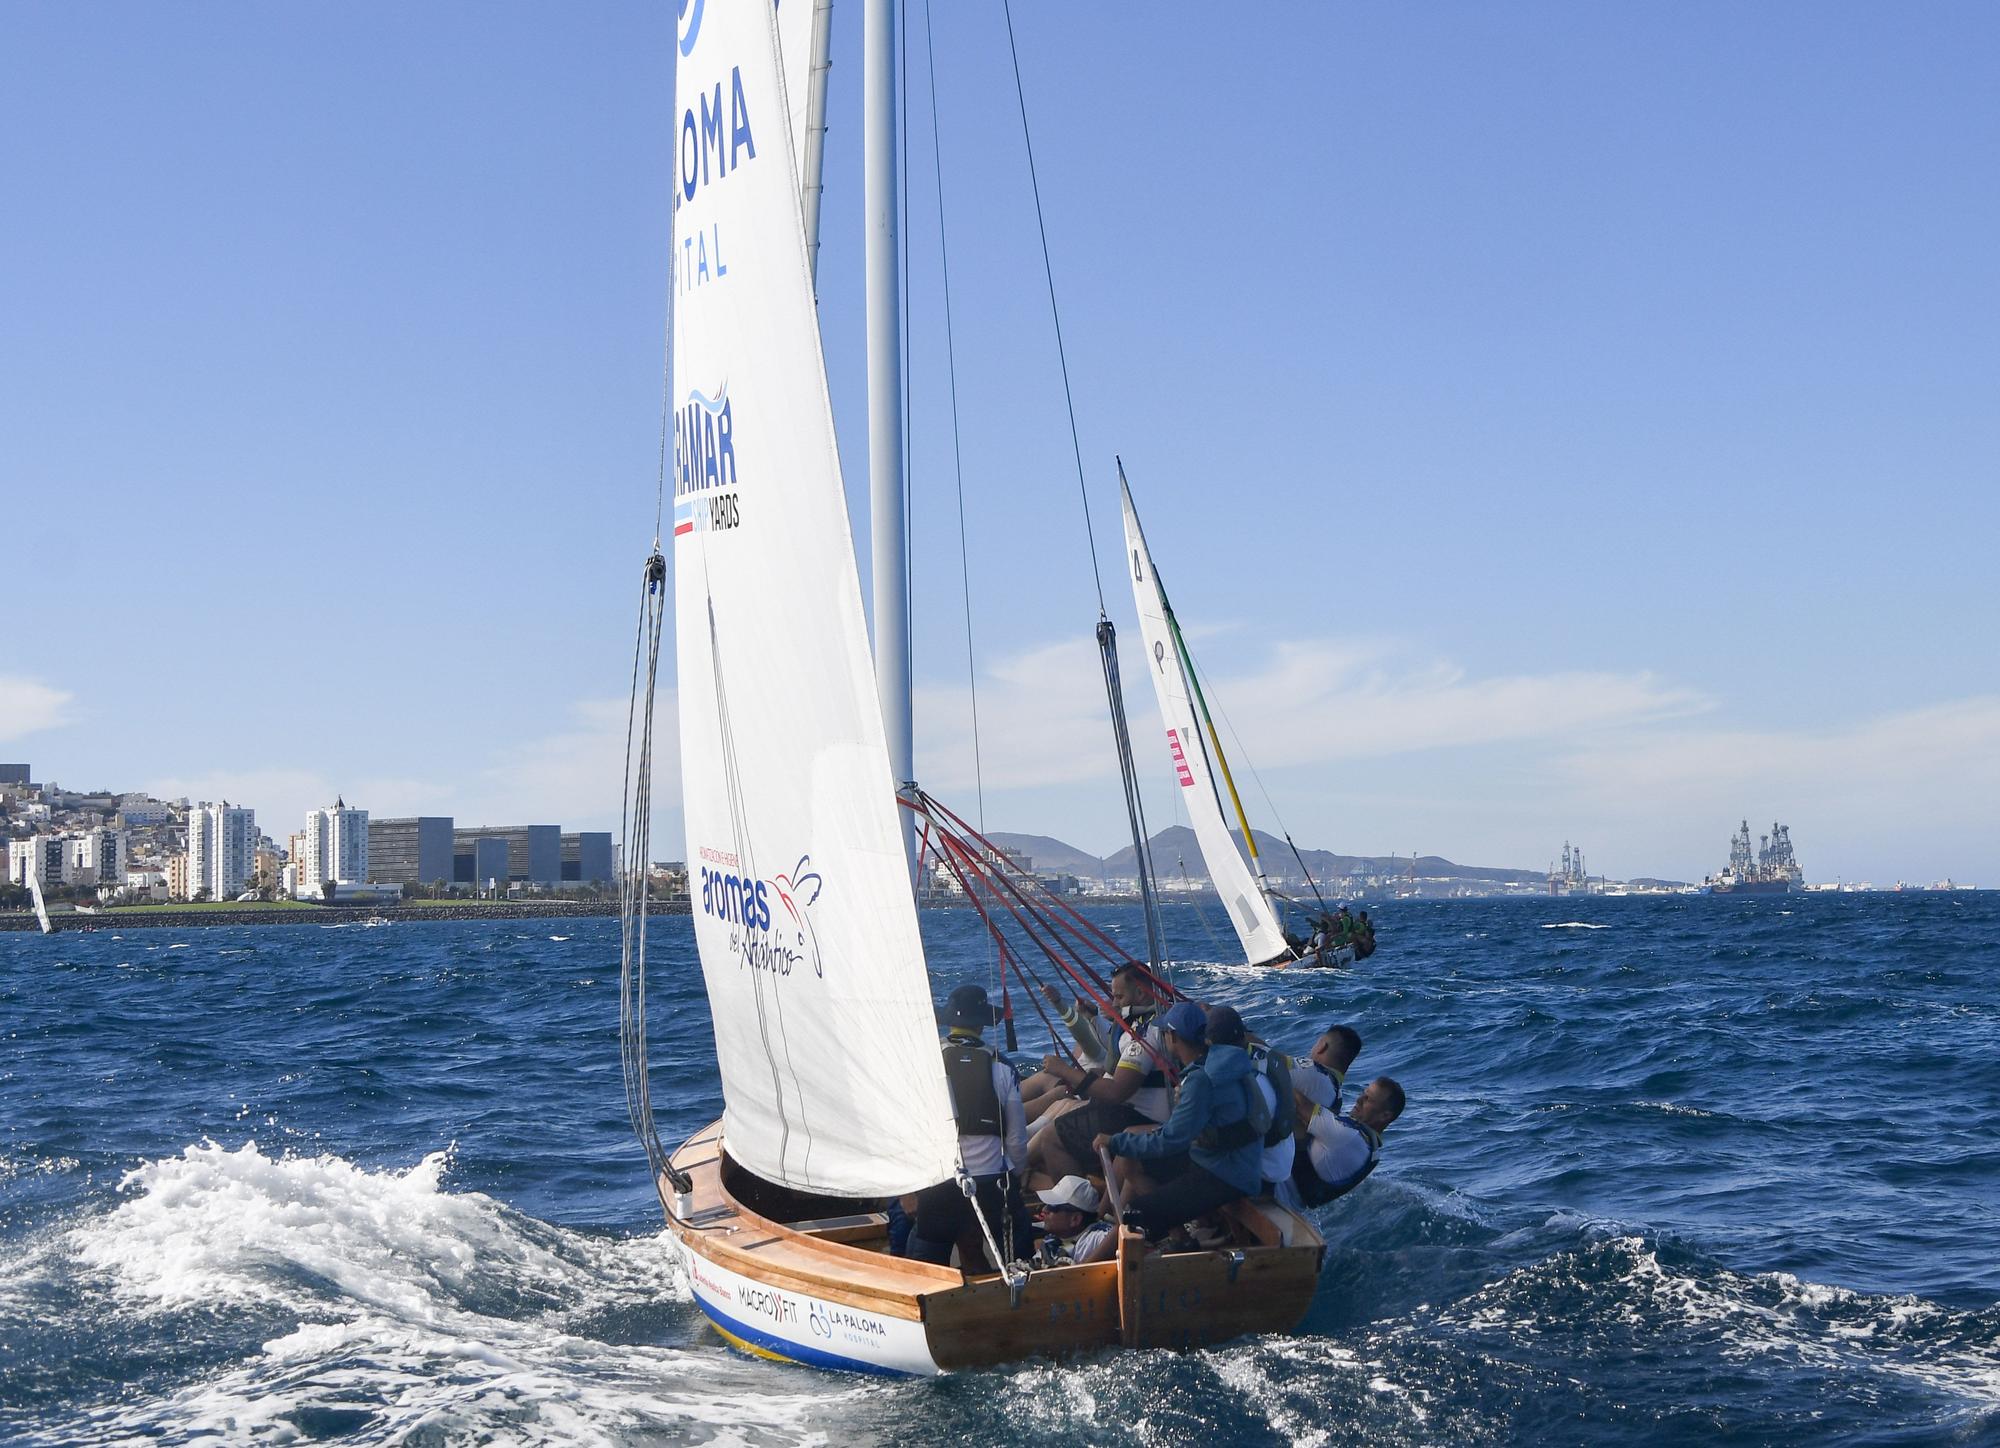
(1772, 870)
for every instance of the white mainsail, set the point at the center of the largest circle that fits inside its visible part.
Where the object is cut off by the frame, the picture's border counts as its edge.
(1189, 742)
(831, 1075)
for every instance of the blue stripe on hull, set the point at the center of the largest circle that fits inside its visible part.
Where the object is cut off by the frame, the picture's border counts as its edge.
(790, 1351)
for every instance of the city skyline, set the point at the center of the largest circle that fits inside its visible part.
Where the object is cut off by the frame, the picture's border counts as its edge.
(1551, 424)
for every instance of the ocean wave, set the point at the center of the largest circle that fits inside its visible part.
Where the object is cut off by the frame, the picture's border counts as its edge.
(403, 1311)
(1575, 925)
(1616, 1298)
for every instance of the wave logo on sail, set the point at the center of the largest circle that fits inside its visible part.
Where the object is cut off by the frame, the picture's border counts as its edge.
(705, 464)
(689, 16)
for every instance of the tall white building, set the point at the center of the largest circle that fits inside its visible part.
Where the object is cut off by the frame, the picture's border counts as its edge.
(97, 857)
(43, 857)
(333, 848)
(222, 849)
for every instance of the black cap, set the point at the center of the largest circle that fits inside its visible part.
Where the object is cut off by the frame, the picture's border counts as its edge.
(967, 1006)
(1225, 1027)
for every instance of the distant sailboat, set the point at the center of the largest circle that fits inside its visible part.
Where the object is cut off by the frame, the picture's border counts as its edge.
(834, 1090)
(41, 905)
(1201, 768)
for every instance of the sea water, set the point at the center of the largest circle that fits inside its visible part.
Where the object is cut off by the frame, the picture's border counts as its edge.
(1673, 1171)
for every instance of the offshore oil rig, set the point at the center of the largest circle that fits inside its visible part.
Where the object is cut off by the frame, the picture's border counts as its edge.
(1772, 870)
(1569, 878)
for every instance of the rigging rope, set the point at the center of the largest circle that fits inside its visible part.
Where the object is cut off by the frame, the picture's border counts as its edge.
(635, 871)
(1055, 314)
(957, 457)
(1128, 771)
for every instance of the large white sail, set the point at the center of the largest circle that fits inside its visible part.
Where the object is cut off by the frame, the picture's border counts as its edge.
(831, 1075)
(1190, 745)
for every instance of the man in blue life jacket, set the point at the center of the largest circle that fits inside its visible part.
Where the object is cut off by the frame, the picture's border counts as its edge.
(992, 1142)
(1317, 1080)
(1134, 1092)
(1208, 1151)
(1340, 1151)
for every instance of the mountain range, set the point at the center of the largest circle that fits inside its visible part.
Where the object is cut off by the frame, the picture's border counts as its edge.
(1175, 852)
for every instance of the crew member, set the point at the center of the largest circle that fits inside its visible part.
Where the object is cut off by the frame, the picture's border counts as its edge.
(1136, 1093)
(1206, 1154)
(1317, 1080)
(1046, 1093)
(992, 1142)
(1073, 1233)
(1342, 1150)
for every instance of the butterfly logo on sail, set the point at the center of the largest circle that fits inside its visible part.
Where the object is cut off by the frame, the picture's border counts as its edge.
(779, 941)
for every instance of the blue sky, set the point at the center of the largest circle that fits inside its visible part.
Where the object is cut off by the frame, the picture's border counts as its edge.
(1552, 420)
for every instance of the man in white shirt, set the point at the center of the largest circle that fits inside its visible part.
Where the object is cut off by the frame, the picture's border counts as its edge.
(1319, 1078)
(1074, 1234)
(1340, 1151)
(992, 1142)
(1136, 1092)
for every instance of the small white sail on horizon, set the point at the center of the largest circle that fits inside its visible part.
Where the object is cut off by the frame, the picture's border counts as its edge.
(41, 905)
(1196, 755)
(803, 914)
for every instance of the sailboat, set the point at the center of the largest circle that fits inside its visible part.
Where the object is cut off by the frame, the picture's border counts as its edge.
(801, 815)
(1201, 768)
(41, 905)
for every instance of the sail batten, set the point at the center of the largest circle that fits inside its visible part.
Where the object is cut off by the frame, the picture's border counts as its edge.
(1196, 753)
(824, 1030)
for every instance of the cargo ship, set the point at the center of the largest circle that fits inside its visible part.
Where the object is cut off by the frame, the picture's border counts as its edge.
(1771, 870)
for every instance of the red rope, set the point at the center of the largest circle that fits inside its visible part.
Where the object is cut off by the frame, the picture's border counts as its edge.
(967, 864)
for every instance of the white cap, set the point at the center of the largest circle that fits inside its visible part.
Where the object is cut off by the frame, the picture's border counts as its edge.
(1072, 1191)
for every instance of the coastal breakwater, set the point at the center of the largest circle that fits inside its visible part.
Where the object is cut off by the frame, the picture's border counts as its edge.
(114, 919)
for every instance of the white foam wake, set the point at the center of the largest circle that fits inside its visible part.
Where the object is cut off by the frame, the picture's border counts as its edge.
(414, 1312)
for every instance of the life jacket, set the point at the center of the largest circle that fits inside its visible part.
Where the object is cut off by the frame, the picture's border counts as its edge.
(1314, 1190)
(1254, 1125)
(1277, 1069)
(968, 1073)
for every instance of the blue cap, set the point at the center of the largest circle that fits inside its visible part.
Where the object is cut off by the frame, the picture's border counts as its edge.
(1186, 1020)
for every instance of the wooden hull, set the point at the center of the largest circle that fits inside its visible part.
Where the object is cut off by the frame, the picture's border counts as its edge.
(825, 1293)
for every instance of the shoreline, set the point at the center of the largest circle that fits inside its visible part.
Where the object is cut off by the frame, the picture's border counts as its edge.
(113, 918)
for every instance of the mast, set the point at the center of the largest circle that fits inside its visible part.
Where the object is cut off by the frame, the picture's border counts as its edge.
(888, 525)
(812, 165)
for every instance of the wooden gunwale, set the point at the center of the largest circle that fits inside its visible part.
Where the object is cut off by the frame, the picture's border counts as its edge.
(722, 1228)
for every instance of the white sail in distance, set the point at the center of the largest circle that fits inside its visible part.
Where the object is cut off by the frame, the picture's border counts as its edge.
(824, 1028)
(41, 905)
(1192, 745)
